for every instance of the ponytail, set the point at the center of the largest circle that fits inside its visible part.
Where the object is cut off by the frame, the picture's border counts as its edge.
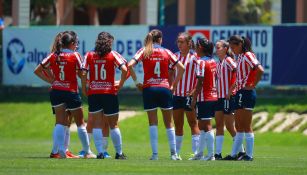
(246, 45)
(148, 45)
(57, 44)
(152, 37)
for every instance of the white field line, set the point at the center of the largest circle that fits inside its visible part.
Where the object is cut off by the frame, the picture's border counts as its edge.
(263, 118)
(297, 127)
(290, 119)
(277, 118)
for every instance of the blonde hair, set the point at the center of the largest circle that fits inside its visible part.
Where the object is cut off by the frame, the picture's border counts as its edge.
(152, 37)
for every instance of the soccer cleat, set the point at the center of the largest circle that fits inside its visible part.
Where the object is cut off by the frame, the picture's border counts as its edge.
(120, 156)
(89, 155)
(247, 158)
(240, 155)
(81, 154)
(62, 155)
(154, 157)
(100, 156)
(174, 157)
(179, 157)
(218, 156)
(71, 155)
(208, 158)
(229, 157)
(197, 156)
(55, 156)
(106, 155)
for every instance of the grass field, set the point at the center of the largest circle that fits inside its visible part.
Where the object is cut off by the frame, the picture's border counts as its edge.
(25, 143)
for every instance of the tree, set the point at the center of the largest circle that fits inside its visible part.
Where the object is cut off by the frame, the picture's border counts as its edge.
(249, 12)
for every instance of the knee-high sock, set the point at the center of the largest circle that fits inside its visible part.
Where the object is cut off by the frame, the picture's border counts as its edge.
(60, 136)
(55, 146)
(97, 135)
(153, 133)
(195, 143)
(249, 138)
(171, 140)
(202, 142)
(117, 140)
(82, 133)
(67, 138)
(105, 143)
(210, 142)
(237, 143)
(219, 144)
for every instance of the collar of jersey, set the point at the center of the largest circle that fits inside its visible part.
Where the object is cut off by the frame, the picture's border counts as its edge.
(157, 46)
(67, 51)
(205, 58)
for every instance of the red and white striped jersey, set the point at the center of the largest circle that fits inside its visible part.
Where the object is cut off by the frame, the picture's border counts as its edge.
(156, 66)
(226, 76)
(206, 68)
(102, 71)
(246, 72)
(188, 81)
(64, 68)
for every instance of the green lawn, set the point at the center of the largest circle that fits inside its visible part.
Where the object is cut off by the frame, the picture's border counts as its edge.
(25, 144)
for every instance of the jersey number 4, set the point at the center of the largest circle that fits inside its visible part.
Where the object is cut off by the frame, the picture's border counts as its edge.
(157, 69)
(102, 73)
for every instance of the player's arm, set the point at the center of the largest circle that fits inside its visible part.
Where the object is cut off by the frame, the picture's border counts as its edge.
(131, 64)
(84, 81)
(39, 72)
(259, 74)
(199, 86)
(180, 68)
(123, 77)
(232, 83)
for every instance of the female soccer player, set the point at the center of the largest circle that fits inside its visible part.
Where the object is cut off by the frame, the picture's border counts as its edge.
(102, 91)
(248, 75)
(206, 97)
(226, 77)
(184, 92)
(156, 89)
(64, 64)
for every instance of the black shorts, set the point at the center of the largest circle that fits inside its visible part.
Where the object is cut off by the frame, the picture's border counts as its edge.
(182, 103)
(155, 97)
(205, 110)
(106, 103)
(71, 100)
(227, 106)
(245, 99)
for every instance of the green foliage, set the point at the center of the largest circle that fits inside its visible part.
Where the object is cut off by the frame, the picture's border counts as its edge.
(249, 12)
(108, 3)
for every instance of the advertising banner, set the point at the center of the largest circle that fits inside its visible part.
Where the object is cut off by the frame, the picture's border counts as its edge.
(260, 36)
(24, 48)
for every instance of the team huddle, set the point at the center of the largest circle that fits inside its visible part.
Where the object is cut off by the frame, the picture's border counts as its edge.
(188, 82)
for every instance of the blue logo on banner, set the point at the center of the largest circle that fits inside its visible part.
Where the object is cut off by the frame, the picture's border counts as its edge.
(15, 55)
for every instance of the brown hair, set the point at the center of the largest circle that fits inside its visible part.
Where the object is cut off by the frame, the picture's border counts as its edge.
(225, 44)
(246, 43)
(188, 39)
(56, 43)
(103, 43)
(152, 37)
